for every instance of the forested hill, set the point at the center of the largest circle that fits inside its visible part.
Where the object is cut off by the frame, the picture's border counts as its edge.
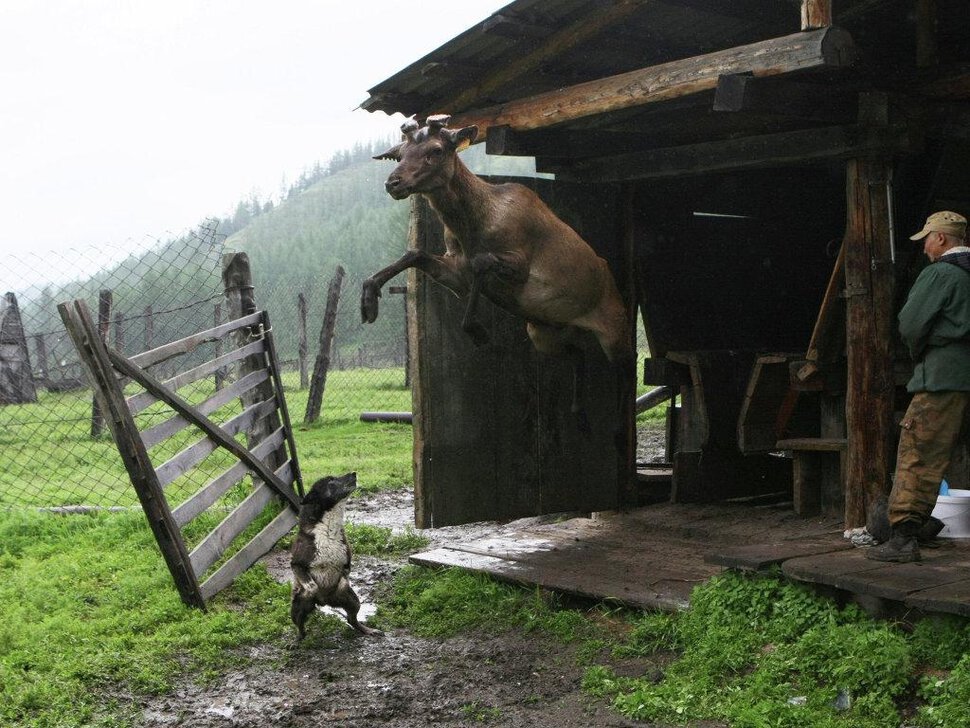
(338, 216)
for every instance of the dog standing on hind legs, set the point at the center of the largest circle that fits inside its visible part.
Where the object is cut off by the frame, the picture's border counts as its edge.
(320, 557)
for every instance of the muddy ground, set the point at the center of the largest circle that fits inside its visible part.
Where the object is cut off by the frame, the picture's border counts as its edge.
(400, 680)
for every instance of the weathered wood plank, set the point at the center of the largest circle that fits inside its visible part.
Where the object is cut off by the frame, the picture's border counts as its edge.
(757, 557)
(275, 369)
(756, 152)
(833, 569)
(171, 426)
(826, 48)
(952, 598)
(215, 488)
(587, 26)
(870, 284)
(249, 554)
(214, 545)
(214, 432)
(191, 343)
(194, 454)
(77, 321)
(816, 14)
(138, 402)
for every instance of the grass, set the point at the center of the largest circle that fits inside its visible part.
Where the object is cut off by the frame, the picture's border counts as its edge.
(48, 458)
(753, 651)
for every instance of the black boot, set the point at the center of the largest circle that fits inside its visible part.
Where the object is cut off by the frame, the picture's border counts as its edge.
(929, 531)
(902, 547)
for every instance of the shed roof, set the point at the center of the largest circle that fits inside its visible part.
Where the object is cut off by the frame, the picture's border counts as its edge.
(546, 49)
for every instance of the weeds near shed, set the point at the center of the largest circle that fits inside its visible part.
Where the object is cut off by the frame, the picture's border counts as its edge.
(379, 541)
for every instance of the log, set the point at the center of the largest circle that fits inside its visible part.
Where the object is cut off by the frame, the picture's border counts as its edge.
(826, 48)
(869, 282)
(816, 14)
(238, 282)
(652, 398)
(401, 417)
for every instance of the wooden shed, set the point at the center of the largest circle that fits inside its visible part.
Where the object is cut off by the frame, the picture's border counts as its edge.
(751, 170)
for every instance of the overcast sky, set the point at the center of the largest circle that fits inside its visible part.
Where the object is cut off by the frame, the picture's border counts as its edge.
(121, 121)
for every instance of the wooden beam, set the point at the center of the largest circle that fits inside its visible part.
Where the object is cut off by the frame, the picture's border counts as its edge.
(769, 150)
(784, 97)
(927, 50)
(562, 40)
(819, 49)
(816, 14)
(869, 282)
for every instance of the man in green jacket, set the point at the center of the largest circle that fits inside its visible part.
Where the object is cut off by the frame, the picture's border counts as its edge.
(935, 326)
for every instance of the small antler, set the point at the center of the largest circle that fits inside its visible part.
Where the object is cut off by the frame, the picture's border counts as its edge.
(438, 121)
(409, 127)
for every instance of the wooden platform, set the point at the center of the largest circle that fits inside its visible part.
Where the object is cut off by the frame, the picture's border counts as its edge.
(653, 557)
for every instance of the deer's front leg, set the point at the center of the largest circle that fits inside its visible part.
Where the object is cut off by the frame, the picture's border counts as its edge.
(443, 269)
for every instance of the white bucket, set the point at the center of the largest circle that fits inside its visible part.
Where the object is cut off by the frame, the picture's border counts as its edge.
(954, 511)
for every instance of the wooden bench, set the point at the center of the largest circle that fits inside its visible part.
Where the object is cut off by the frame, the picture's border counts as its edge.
(809, 462)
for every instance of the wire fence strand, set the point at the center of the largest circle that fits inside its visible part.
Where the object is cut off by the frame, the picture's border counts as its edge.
(54, 451)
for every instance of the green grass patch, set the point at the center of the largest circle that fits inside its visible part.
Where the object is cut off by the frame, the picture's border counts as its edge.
(380, 541)
(444, 603)
(88, 606)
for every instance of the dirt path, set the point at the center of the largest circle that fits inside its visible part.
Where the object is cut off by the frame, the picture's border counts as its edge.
(399, 680)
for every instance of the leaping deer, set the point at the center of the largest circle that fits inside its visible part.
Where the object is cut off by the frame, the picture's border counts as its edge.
(502, 241)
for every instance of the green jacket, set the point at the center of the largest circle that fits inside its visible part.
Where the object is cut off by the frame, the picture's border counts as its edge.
(935, 326)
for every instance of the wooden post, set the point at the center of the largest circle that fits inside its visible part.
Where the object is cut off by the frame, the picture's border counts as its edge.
(816, 14)
(319, 380)
(104, 326)
(403, 291)
(119, 343)
(149, 329)
(16, 377)
(237, 279)
(927, 50)
(869, 320)
(220, 373)
(301, 311)
(40, 346)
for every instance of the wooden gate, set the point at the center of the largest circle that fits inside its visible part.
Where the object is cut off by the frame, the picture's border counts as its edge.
(274, 471)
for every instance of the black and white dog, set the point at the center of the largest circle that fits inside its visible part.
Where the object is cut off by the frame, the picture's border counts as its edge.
(320, 557)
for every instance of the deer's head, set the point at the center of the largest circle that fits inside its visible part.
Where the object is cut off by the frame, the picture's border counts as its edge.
(427, 157)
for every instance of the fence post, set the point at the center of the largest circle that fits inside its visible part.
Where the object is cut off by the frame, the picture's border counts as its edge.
(220, 374)
(120, 333)
(40, 346)
(301, 310)
(104, 325)
(16, 377)
(319, 381)
(237, 279)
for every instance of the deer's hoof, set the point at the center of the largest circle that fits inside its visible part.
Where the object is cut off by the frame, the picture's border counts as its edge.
(369, 302)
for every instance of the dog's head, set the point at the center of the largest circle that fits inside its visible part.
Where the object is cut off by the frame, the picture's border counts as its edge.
(325, 494)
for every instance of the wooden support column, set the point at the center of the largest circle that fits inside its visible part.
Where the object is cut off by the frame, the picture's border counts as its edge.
(869, 320)
(104, 326)
(318, 382)
(816, 14)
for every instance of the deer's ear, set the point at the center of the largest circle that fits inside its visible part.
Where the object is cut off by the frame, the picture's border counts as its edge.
(394, 153)
(461, 138)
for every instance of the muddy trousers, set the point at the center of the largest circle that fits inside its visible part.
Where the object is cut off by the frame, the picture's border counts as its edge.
(931, 429)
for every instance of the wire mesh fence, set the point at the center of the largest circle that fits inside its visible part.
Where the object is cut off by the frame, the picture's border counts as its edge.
(55, 451)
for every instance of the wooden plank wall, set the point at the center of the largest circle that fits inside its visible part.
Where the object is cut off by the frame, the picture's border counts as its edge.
(494, 436)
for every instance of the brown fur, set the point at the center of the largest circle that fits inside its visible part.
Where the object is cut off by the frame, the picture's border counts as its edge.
(502, 241)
